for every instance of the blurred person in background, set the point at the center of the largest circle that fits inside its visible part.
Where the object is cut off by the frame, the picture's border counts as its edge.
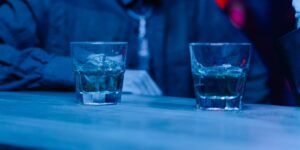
(290, 51)
(35, 37)
(261, 21)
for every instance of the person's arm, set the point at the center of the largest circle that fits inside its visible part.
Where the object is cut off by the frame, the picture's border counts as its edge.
(24, 66)
(215, 26)
(296, 5)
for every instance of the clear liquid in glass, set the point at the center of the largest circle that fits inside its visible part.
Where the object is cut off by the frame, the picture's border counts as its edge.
(99, 84)
(219, 87)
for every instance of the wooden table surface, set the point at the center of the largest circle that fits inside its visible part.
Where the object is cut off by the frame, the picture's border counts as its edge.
(53, 120)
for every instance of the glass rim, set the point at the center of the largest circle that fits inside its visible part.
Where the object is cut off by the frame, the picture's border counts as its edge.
(219, 44)
(99, 43)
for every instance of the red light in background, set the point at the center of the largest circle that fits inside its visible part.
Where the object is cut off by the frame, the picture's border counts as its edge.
(222, 3)
(235, 10)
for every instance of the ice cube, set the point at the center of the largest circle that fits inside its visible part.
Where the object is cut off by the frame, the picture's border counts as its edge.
(89, 81)
(99, 62)
(113, 66)
(95, 62)
(226, 65)
(96, 59)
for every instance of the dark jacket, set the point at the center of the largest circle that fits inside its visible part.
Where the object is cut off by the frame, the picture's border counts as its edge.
(35, 39)
(289, 46)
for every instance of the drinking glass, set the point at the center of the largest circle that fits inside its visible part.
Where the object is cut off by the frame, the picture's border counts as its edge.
(99, 71)
(219, 73)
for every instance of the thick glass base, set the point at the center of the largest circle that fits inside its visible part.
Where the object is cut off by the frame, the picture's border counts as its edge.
(99, 98)
(215, 103)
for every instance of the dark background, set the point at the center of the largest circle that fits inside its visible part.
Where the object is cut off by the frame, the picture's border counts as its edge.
(264, 22)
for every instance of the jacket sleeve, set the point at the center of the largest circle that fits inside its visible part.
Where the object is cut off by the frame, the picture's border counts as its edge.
(289, 47)
(215, 26)
(23, 65)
